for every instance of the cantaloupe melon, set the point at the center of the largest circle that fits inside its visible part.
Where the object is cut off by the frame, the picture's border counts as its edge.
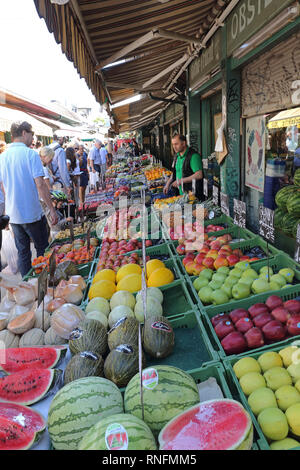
(22, 323)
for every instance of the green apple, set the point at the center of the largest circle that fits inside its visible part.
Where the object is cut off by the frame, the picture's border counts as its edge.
(207, 273)
(250, 273)
(269, 359)
(277, 377)
(287, 395)
(245, 365)
(288, 274)
(261, 399)
(219, 277)
(240, 291)
(251, 381)
(236, 272)
(274, 286)
(243, 265)
(219, 297)
(279, 279)
(204, 295)
(227, 290)
(248, 281)
(266, 269)
(259, 286)
(215, 285)
(273, 423)
(231, 281)
(200, 282)
(287, 285)
(265, 276)
(284, 444)
(223, 270)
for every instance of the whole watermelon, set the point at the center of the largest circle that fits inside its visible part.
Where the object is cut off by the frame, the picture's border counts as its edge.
(118, 432)
(78, 406)
(288, 222)
(167, 391)
(278, 216)
(293, 203)
(283, 196)
(297, 178)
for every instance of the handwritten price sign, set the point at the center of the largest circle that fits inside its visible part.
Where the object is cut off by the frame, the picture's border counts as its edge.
(225, 204)
(266, 224)
(297, 251)
(215, 196)
(239, 213)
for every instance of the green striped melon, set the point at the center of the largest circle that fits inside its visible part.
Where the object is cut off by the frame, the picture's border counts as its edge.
(283, 196)
(78, 406)
(278, 216)
(288, 222)
(167, 391)
(119, 432)
(293, 204)
(297, 178)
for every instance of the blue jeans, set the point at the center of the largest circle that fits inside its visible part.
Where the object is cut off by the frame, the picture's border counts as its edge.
(37, 231)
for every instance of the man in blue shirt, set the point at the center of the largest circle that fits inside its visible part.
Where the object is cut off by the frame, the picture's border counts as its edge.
(22, 181)
(95, 157)
(59, 165)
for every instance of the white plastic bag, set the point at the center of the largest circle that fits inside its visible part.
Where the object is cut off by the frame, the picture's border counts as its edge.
(9, 250)
(94, 178)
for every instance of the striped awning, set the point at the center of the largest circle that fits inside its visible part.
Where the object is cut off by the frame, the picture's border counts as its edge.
(150, 39)
(290, 117)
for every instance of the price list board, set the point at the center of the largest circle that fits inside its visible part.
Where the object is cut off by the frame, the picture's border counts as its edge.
(266, 224)
(239, 213)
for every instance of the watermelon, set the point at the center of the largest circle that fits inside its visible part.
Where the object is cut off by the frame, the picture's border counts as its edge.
(119, 432)
(30, 420)
(278, 216)
(283, 196)
(13, 436)
(28, 386)
(167, 391)
(297, 178)
(211, 425)
(288, 222)
(15, 359)
(293, 203)
(78, 406)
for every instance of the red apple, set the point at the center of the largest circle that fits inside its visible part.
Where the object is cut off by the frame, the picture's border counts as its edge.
(273, 302)
(212, 254)
(199, 258)
(244, 258)
(293, 325)
(257, 309)
(254, 338)
(198, 269)
(232, 260)
(219, 262)
(180, 250)
(281, 314)
(208, 262)
(244, 324)
(261, 320)
(223, 328)
(205, 249)
(293, 306)
(189, 267)
(237, 314)
(215, 245)
(148, 243)
(234, 343)
(187, 259)
(217, 318)
(237, 252)
(274, 331)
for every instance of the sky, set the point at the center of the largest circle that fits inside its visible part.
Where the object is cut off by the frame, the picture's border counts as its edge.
(33, 64)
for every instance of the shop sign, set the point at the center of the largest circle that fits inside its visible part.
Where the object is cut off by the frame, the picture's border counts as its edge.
(248, 17)
(266, 224)
(255, 153)
(209, 59)
(239, 213)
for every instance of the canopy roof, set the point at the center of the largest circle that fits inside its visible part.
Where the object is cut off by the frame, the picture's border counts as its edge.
(8, 116)
(290, 117)
(153, 39)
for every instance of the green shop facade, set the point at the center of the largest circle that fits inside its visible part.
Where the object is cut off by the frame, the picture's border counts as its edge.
(247, 82)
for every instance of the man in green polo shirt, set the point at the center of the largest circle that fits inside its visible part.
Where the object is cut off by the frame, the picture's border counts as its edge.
(187, 166)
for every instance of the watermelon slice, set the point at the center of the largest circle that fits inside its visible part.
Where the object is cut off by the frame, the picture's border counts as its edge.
(15, 359)
(13, 436)
(30, 420)
(28, 386)
(211, 425)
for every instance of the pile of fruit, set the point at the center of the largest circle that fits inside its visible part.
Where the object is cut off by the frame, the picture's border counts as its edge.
(287, 214)
(117, 226)
(191, 231)
(129, 278)
(272, 385)
(156, 173)
(78, 230)
(239, 283)
(112, 254)
(261, 324)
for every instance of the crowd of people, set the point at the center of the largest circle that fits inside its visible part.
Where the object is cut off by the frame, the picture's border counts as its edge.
(37, 182)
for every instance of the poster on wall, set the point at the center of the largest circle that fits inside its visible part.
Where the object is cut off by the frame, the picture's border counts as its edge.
(255, 153)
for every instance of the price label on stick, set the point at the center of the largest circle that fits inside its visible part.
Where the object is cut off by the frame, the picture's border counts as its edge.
(297, 251)
(72, 231)
(239, 213)
(266, 224)
(205, 187)
(225, 204)
(215, 195)
(42, 285)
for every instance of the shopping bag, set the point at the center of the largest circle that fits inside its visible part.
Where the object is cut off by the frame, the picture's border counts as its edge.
(9, 250)
(94, 178)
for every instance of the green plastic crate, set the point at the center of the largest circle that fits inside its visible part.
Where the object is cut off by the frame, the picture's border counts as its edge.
(208, 314)
(236, 389)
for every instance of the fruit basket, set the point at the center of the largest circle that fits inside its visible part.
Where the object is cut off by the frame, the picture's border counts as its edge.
(237, 391)
(245, 304)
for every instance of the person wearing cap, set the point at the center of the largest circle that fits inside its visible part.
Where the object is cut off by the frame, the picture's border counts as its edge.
(22, 180)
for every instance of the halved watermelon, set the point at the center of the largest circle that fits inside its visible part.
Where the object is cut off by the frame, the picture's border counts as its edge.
(28, 386)
(15, 359)
(211, 425)
(31, 420)
(13, 436)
